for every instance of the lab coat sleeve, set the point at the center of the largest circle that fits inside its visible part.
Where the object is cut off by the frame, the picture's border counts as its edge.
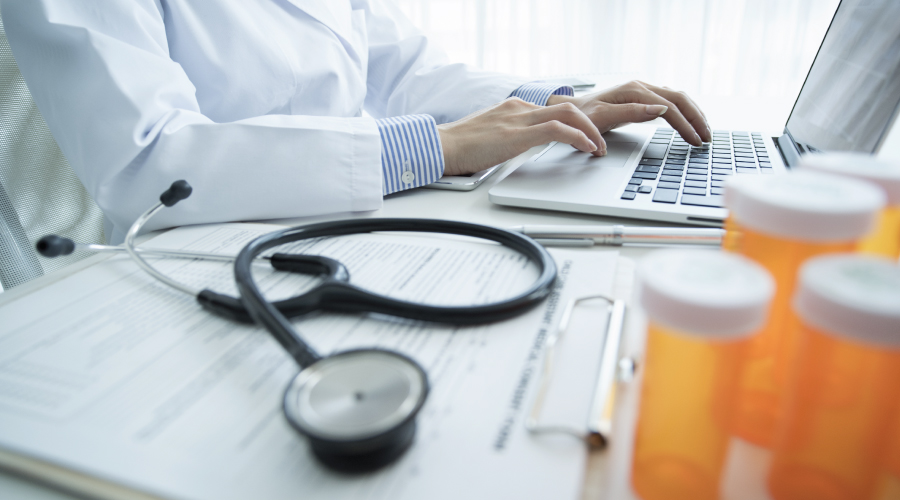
(407, 74)
(126, 117)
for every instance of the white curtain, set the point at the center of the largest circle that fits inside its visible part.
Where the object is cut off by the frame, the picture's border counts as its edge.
(749, 48)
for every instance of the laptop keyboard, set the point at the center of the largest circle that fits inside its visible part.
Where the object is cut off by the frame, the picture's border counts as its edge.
(672, 170)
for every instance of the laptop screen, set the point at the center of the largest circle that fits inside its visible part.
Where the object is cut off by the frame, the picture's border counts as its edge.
(852, 91)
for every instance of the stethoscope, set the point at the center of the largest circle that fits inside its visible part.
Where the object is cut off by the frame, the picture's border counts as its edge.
(358, 408)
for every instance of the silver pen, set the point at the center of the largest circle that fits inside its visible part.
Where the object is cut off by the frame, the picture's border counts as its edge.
(586, 236)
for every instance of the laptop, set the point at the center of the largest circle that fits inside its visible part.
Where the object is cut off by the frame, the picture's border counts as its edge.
(849, 102)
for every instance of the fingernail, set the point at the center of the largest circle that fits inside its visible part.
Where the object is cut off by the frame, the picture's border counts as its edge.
(593, 146)
(656, 109)
(707, 132)
(697, 138)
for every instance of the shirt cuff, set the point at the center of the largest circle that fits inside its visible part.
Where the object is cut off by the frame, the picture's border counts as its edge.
(411, 154)
(539, 92)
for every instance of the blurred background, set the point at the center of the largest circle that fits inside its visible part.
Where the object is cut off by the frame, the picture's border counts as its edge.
(749, 55)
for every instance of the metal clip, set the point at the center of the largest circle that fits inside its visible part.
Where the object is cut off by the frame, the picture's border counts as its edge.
(600, 417)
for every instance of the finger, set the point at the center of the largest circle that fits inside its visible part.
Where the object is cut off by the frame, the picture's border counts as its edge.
(615, 114)
(554, 130)
(570, 115)
(672, 115)
(688, 109)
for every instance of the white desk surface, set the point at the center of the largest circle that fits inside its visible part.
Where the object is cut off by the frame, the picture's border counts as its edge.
(763, 115)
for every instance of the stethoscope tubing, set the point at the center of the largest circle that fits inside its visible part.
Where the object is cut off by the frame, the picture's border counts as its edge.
(339, 296)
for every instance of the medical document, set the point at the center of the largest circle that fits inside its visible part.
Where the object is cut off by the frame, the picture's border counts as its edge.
(115, 376)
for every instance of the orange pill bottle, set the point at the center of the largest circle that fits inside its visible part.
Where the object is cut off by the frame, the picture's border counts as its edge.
(889, 482)
(780, 222)
(701, 306)
(885, 240)
(843, 391)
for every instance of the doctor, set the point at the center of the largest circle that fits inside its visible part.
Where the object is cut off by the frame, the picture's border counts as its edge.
(259, 104)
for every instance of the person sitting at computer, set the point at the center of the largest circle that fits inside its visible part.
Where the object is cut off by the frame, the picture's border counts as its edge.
(259, 105)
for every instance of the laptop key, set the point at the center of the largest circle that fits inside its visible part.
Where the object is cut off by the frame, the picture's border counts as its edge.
(631, 187)
(696, 191)
(695, 184)
(670, 178)
(668, 185)
(698, 171)
(716, 191)
(665, 195)
(745, 170)
(647, 168)
(703, 201)
(717, 184)
(650, 162)
(695, 177)
(636, 182)
(655, 151)
(643, 175)
(628, 195)
(644, 189)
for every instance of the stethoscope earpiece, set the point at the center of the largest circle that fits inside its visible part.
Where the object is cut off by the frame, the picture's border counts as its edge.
(54, 246)
(357, 408)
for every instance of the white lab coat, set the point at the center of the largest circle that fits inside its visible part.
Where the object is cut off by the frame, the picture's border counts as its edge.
(257, 103)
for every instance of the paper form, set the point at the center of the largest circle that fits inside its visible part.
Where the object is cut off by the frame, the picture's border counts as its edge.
(112, 374)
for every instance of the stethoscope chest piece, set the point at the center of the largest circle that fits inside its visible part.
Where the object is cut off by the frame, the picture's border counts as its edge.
(358, 408)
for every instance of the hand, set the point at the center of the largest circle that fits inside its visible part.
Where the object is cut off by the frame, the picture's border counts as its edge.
(635, 102)
(507, 129)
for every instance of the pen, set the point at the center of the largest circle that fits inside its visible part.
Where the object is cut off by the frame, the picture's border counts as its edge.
(586, 236)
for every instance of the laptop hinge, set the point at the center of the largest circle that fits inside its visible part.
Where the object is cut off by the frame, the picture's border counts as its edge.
(788, 149)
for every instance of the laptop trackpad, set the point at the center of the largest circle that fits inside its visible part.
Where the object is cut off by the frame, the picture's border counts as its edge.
(565, 175)
(617, 154)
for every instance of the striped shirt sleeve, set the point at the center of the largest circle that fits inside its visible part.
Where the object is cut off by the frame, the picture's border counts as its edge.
(539, 92)
(411, 154)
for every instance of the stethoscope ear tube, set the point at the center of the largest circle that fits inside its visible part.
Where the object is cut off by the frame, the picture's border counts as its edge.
(338, 296)
(233, 308)
(263, 312)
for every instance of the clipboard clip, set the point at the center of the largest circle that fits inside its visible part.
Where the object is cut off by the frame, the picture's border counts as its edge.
(599, 424)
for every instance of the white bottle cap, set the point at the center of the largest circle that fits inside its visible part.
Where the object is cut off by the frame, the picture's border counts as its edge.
(705, 292)
(854, 296)
(805, 206)
(886, 174)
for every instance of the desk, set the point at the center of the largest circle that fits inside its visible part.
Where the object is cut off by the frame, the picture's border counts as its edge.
(474, 207)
